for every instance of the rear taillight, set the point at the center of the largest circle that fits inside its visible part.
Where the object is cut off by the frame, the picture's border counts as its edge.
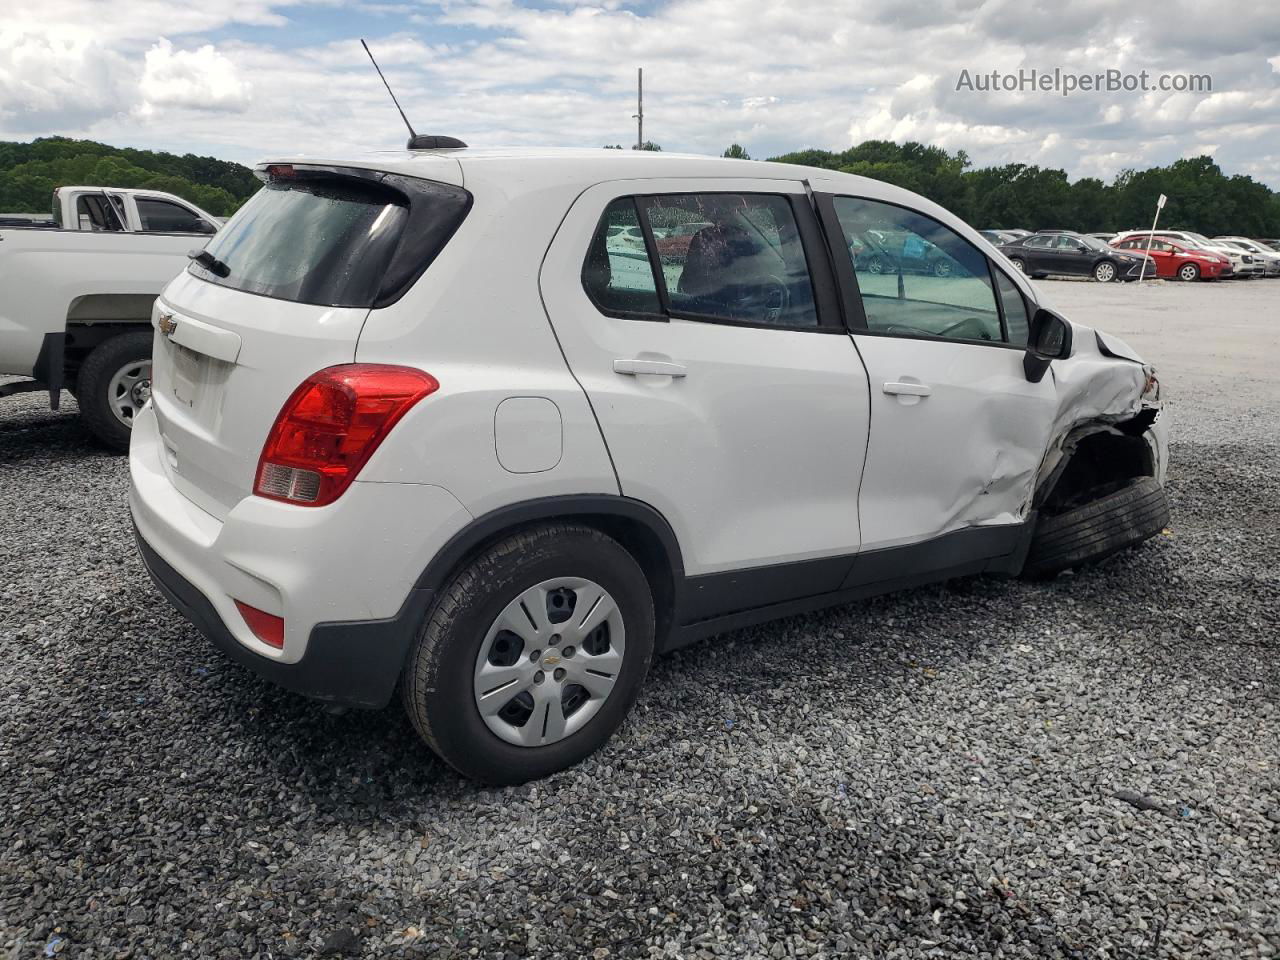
(331, 425)
(267, 627)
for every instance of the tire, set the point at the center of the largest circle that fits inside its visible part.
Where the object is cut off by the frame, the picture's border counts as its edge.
(1019, 264)
(875, 265)
(1123, 518)
(941, 268)
(1104, 271)
(121, 363)
(441, 684)
(1189, 272)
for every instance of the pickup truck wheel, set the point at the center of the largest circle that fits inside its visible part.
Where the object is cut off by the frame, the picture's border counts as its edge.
(532, 655)
(113, 385)
(1119, 519)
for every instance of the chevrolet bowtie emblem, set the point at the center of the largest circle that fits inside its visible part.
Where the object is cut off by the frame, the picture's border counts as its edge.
(167, 324)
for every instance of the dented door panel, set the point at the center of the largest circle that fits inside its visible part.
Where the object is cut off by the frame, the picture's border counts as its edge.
(966, 454)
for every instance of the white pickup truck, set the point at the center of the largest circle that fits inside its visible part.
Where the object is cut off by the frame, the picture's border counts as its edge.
(76, 294)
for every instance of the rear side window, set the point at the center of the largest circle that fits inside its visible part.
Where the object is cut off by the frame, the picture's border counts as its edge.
(337, 241)
(734, 258)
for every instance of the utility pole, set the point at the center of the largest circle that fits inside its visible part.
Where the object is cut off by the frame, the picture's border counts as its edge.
(639, 115)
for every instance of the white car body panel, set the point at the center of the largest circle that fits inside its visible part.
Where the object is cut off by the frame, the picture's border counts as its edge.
(757, 457)
(725, 452)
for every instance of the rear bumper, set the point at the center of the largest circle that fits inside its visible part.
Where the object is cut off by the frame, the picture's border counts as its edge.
(352, 664)
(343, 579)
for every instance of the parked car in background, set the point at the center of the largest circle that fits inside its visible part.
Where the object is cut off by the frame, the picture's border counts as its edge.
(77, 295)
(1019, 232)
(1105, 237)
(890, 251)
(1243, 264)
(499, 500)
(1175, 260)
(1270, 259)
(998, 237)
(1273, 243)
(1073, 255)
(673, 245)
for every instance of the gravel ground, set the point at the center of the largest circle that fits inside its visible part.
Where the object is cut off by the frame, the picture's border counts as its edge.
(1086, 768)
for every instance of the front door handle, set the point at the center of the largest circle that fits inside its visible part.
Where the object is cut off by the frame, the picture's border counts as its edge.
(658, 368)
(908, 389)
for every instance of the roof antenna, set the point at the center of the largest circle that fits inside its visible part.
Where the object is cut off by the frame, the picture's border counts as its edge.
(417, 141)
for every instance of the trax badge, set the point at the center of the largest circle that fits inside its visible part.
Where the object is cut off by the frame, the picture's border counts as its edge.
(167, 324)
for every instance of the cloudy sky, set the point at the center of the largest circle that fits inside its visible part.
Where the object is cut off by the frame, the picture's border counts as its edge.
(242, 79)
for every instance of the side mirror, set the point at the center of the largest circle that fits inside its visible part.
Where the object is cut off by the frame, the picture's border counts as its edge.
(1049, 339)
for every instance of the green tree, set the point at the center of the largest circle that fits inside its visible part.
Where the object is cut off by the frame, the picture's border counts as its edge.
(736, 152)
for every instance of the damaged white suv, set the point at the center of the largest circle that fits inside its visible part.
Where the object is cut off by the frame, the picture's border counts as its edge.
(429, 421)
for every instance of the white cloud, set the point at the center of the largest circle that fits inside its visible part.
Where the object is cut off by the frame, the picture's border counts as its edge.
(773, 77)
(201, 79)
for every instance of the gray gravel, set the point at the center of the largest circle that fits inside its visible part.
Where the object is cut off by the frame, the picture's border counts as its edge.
(1086, 768)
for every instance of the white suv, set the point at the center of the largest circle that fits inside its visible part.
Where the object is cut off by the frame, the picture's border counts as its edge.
(417, 423)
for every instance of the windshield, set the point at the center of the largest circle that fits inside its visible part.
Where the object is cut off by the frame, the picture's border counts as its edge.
(318, 241)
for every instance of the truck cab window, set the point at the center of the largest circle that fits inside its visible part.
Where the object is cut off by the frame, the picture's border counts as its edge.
(96, 213)
(161, 216)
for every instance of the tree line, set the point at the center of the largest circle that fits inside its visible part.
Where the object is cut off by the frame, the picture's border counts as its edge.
(1201, 197)
(29, 172)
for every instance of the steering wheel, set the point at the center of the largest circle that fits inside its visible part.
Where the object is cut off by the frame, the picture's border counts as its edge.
(767, 301)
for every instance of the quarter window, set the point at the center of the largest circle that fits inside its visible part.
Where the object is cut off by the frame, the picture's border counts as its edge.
(617, 274)
(1016, 323)
(916, 277)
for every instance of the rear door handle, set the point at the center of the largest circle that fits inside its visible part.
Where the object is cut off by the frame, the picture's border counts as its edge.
(658, 368)
(908, 389)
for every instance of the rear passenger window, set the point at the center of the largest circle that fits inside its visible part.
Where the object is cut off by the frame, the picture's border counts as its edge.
(732, 258)
(617, 274)
(1016, 321)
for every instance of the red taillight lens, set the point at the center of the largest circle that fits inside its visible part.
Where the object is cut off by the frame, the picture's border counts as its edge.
(331, 425)
(265, 626)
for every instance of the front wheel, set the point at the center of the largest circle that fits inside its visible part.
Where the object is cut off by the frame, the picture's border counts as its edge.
(941, 268)
(1104, 272)
(113, 385)
(532, 655)
(1188, 272)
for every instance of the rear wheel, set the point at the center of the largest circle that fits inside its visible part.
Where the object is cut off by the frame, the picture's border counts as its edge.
(1188, 272)
(113, 385)
(941, 268)
(1135, 512)
(533, 654)
(1104, 271)
(1019, 264)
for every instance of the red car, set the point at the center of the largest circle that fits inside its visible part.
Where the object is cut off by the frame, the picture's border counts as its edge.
(1176, 260)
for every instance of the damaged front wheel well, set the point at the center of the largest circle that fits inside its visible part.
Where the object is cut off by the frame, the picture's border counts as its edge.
(1097, 459)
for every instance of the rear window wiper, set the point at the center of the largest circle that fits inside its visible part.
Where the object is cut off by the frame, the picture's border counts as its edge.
(209, 262)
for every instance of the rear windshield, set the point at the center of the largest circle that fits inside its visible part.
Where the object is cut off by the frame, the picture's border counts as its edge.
(321, 241)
